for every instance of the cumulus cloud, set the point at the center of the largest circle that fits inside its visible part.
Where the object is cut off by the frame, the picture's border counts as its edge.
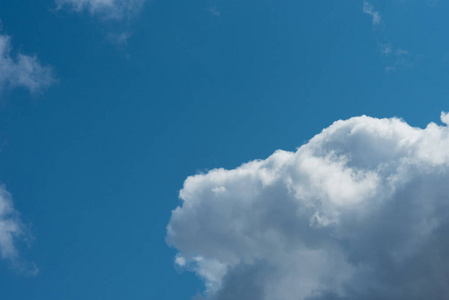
(113, 9)
(369, 10)
(22, 70)
(361, 211)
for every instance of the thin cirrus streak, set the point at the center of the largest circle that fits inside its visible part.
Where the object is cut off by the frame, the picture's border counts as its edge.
(361, 211)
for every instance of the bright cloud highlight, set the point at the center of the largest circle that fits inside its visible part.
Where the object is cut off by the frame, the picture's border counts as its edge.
(359, 212)
(22, 70)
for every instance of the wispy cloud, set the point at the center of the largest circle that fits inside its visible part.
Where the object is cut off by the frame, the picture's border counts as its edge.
(12, 231)
(214, 11)
(22, 70)
(369, 10)
(109, 9)
(395, 57)
(119, 38)
(115, 14)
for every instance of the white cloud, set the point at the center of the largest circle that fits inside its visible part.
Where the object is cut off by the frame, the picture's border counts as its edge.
(444, 117)
(10, 227)
(369, 10)
(22, 70)
(113, 9)
(359, 212)
(11, 231)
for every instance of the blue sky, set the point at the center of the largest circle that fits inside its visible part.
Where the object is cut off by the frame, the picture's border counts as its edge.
(107, 107)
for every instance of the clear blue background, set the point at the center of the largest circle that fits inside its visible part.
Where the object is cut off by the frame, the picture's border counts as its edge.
(95, 163)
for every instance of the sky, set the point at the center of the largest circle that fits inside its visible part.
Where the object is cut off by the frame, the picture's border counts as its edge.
(269, 150)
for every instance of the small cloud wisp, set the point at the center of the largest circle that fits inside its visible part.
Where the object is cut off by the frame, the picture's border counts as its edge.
(22, 70)
(109, 9)
(369, 10)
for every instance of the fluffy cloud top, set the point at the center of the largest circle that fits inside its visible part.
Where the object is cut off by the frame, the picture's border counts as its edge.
(114, 9)
(359, 212)
(22, 70)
